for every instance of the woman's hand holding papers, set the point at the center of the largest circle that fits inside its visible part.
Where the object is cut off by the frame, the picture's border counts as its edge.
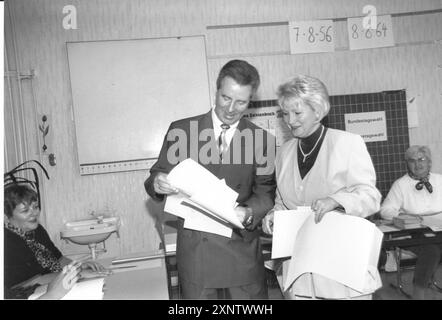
(321, 206)
(63, 281)
(162, 186)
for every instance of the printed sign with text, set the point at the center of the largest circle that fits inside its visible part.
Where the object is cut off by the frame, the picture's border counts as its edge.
(371, 126)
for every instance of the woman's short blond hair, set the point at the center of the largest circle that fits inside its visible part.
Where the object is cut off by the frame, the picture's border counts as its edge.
(308, 90)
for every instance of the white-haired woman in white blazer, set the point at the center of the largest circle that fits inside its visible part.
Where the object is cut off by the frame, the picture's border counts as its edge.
(321, 167)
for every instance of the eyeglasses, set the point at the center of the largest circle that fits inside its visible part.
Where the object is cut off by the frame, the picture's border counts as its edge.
(418, 160)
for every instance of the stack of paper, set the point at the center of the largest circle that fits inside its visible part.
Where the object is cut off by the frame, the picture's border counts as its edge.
(406, 221)
(205, 202)
(434, 222)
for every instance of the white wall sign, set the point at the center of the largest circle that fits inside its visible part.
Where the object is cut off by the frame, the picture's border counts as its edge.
(413, 110)
(371, 126)
(311, 36)
(362, 38)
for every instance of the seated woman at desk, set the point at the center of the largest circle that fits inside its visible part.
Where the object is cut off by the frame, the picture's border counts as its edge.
(321, 167)
(418, 192)
(28, 250)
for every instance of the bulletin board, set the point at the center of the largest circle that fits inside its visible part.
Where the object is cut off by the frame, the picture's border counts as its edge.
(127, 92)
(387, 156)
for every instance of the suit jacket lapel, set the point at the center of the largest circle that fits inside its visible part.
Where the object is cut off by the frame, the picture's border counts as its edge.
(206, 122)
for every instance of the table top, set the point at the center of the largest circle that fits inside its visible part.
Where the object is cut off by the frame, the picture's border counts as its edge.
(137, 280)
(408, 237)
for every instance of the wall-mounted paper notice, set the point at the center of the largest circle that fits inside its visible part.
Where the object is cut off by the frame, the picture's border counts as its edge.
(311, 36)
(381, 35)
(371, 126)
(412, 112)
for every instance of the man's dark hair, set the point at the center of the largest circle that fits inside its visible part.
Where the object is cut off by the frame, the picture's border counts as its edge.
(242, 72)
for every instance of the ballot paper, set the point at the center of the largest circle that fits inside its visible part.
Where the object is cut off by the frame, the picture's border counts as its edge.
(207, 196)
(86, 290)
(91, 289)
(286, 224)
(340, 247)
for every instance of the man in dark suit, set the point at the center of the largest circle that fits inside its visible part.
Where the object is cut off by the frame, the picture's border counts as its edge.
(232, 148)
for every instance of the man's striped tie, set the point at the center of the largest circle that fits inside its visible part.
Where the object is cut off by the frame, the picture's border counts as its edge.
(222, 143)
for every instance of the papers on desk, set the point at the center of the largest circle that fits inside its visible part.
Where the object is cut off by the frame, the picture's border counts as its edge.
(86, 290)
(341, 247)
(205, 202)
(434, 222)
(91, 289)
(387, 227)
(407, 221)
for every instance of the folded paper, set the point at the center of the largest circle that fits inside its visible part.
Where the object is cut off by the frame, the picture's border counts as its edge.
(205, 202)
(335, 258)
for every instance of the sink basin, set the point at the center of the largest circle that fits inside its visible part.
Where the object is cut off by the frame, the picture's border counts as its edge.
(92, 231)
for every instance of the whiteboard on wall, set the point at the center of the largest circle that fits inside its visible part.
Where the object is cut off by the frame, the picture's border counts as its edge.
(127, 92)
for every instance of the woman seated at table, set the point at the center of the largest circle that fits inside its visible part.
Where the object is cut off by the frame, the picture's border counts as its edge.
(419, 192)
(28, 250)
(321, 167)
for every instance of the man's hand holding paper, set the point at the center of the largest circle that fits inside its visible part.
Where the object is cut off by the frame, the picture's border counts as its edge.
(162, 185)
(207, 192)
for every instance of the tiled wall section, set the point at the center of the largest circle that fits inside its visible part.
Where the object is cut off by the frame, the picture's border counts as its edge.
(387, 155)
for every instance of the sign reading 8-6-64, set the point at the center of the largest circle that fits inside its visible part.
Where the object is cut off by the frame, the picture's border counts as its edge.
(380, 34)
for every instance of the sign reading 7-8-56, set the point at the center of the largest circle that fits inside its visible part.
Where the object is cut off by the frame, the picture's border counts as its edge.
(311, 36)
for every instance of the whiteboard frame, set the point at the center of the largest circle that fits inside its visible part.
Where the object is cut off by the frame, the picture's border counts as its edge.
(92, 78)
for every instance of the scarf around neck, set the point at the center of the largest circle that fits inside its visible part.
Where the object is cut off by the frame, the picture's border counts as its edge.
(422, 182)
(45, 258)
